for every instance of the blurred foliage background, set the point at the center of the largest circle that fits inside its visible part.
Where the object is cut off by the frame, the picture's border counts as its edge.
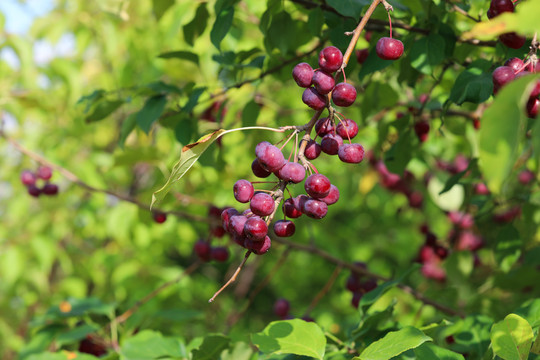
(112, 89)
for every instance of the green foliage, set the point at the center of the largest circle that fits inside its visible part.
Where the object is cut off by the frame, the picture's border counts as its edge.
(117, 102)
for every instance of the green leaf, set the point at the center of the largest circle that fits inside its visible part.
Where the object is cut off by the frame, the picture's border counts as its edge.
(429, 351)
(250, 113)
(399, 155)
(473, 85)
(372, 64)
(454, 179)
(127, 127)
(221, 26)
(427, 53)
(183, 55)
(150, 112)
(512, 338)
(315, 21)
(502, 130)
(352, 8)
(76, 334)
(159, 7)
(91, 99)
(196, 27)
(211, 348)
(535, 349)
(103, 109)
(60, 356)
(149, 344)
(393, 344)
(193, 99)
(190, 154)
(283, 23)
(185, 130)
(296, 336)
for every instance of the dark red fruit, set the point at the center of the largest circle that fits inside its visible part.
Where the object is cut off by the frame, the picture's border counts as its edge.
(323, 82)
(315, 209)
(344, 94)
(158, 216)
(303, 74)
(502, 76)
(262, 204)
(243, 191)
(33, 190)
(353, 283)
(421, 128)
(258, 170)
(219, 253)
(526, 177)
(332, 197)
(331, 143)
(281, 308)
(28, 178)
(497, 7)
(44, 172)
(284, 228)
(330, 59)
(255, 228)
(369, 285)
(203, 250)
(416, 199)
(513, 40)
(389, 49)
(324, 126)
(347, 129)
(515, 63)
(507, 216)
(433, 270)
(313, 150)
(259, 247)
(469, 241)
(236, 224)
(532, 108)
(290, 209)
(361, 55)
(481, 189)
(351, 153)
(226, 215)
(269, 156)
(357, 296)
(317, 186)
(536, 90)
(293, 172)
(461, 220)
(89, 346)
(313, 99)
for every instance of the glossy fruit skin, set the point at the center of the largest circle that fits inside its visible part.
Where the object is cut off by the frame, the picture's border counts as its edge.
(532, 108)
(293, 172)
(323, 82)
(262, 204)
(317, 186)
(255, 228)
(497, 7)
(313, 150)
(259, 247)
(324, 126)
(290, 209)
(515, 63)
(303, 74)
(344, 95)
(258, 170)
(226, 215)
(284, 228)
(158, 217)
(315, 209)
(331, 143)
(332, 197)
(243, 191)
(330, 59)
(313, 99)
(389, 49)
(351, 153)
(347, 129)
(236, 224)
(269, 156)
(502, 76)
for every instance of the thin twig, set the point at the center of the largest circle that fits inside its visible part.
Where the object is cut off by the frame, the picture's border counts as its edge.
(233, 277)
(76, 180)
(326, 288)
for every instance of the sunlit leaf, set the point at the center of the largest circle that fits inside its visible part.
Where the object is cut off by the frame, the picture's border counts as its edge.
(512, 338)
(393, 344)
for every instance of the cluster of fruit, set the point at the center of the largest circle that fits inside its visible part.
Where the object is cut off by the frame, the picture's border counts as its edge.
(358, 285)
(515, 68)
(496, 8)
(431, 256)
(30, 180)
(206, 252)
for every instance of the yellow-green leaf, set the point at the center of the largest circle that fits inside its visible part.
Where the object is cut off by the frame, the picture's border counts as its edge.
(512, 338)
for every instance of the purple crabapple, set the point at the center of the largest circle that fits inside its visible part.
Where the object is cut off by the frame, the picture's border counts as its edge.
(158, 216)
(243, 191)
(33, 190)
(330, 59)
(347, 129)
(226, 215)
(344, 94)
(284, 228)
(317, 186)
(312, 150)
(332, 197)
(303, 74)
(293, 172)
(324, 126)
(255, 228)
(323, 82)
(389, 48)
(269, 156)
(259, 247)
(44, 172)
(331, 143)
(351, 153)
(219, 253)
(281, 308)
(290, 209)
(313, 99)
(202, 250)
(315, 209)
(236, 224)
(28, 178)
(258, 170)
(262, 204)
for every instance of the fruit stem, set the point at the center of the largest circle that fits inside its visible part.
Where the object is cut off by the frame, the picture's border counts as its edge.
(233, 277)
(356, 33)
